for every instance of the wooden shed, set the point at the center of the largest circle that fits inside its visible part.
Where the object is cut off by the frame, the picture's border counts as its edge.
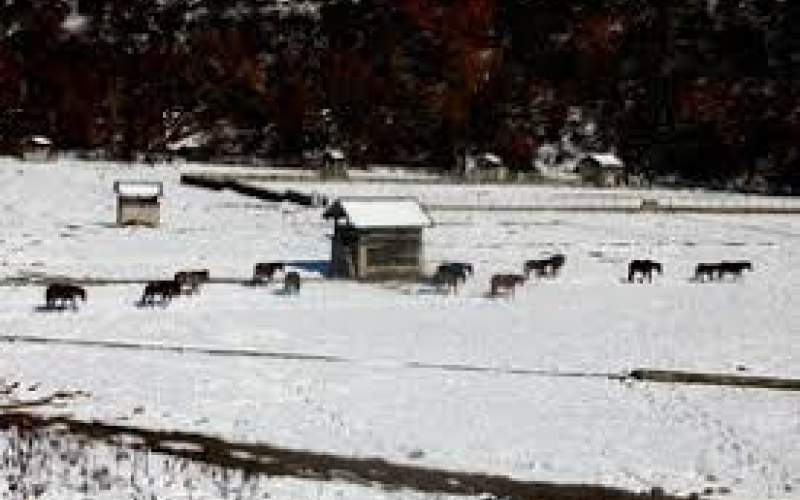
(486, 167)
(334, 164)
(377, 238)
(138, 203)
(602, 169)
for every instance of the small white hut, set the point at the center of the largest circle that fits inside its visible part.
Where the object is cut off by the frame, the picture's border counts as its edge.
(37, 148)
(334, 163)
(487, 167)
(138, 203)
(602, 169)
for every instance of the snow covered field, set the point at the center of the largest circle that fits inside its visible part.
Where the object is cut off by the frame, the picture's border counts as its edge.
(517, 387)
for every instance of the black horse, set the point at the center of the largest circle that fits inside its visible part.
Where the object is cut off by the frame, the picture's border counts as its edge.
(166, 289)
(644, 269)
(545, 267)
(449, 277)
(291, 283)
(265, 271)
(63, 293)
(706, 270)
(190, 281)
(734, 268)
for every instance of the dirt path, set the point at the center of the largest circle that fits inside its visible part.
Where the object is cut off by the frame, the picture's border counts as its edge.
(274, 461)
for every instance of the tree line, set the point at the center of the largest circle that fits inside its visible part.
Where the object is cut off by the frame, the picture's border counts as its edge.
(706, 89)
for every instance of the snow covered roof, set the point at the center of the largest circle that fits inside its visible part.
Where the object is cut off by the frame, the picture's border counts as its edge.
(334, 154)
(379, 212)
(40, 140)
(193, 141)
(492, 158)
(607, 160)
(138, 189)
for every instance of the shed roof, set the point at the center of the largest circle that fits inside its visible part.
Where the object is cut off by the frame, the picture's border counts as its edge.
(334, 154)
(379, 212)
(40, 140)
(606, 160)
(138, 189)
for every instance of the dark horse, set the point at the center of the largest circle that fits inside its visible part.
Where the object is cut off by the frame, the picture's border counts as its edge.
(734, 268)
(291, 283)
(545, 267)
(265, 271)
(63, 293)
(449, 276)
(643, 268)
(166, 289)
(191, 280)
(705, 270)
(506, 282)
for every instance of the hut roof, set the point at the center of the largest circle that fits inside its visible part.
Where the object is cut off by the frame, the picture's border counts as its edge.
(606, 160)
(334, 154)
(138, 189)
(40, 140)
(379, 212)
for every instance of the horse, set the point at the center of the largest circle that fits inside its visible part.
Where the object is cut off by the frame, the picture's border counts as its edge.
(734, 267)
(506, 281)
(705, 270)
(463, 268)
(291, 283)
(165, 288)
(265, 271)
(644, 268)
(63, 292)
(189, 281)
(458, 269)
(449, 276)
(545, 267)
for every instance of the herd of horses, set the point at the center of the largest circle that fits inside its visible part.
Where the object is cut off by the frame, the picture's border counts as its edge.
(448, 275)
(161, 292)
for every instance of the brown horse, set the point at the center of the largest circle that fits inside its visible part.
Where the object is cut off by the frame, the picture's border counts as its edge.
(166, 289)
(506, 282)
(63, 293)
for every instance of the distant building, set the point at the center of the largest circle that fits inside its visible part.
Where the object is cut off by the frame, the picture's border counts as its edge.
(334, 163)
(485, 167)
(138, 203)
(377, 238)
(37, 148)
(601, 169)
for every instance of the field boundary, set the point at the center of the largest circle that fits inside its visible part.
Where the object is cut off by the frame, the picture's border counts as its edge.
(272, 460)
(731, 380)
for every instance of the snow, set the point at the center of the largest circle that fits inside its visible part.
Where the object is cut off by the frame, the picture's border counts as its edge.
(512, 386)
(138, 189)
(606, 160)
(365, 213)
(41, 140)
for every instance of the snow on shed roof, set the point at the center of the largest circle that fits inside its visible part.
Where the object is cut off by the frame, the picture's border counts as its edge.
(334, 154)
(138, 189)
(379, 212)
(40, 140)
(492, 158)
(608, 160)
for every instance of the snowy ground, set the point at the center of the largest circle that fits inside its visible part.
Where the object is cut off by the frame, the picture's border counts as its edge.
(517, 387)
